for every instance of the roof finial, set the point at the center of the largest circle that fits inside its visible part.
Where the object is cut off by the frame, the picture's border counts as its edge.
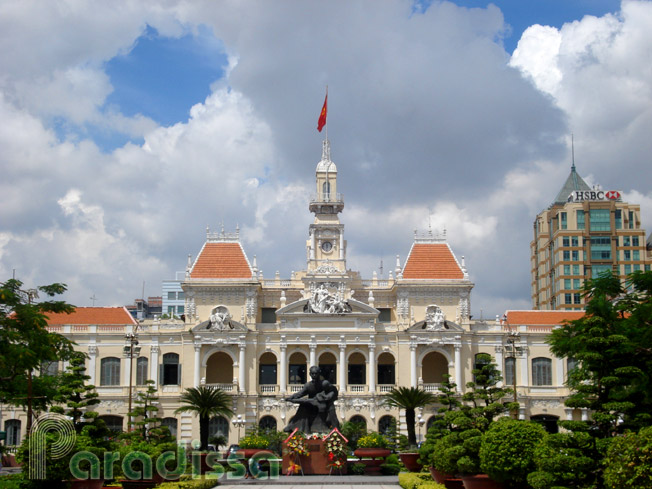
(326, 150)
(572, 152)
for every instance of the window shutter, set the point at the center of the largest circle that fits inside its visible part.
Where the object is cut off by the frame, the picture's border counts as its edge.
(161, 379)
(179, 374)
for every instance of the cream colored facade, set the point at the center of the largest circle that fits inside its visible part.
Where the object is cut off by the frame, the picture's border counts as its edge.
(255, 338)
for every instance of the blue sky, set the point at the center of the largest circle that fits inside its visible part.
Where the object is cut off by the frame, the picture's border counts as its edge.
(162, 77)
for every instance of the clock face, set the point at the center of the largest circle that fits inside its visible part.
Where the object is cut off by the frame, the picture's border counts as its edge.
(327, 246)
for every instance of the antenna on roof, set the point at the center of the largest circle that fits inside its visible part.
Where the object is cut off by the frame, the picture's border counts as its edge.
(381, 265)
(93, 298)
(572, 152)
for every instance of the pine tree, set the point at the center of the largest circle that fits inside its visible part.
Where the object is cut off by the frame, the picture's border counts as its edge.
(75, 394)
(148, 424)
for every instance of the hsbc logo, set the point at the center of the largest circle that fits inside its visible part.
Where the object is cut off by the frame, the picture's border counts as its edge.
(582, 195)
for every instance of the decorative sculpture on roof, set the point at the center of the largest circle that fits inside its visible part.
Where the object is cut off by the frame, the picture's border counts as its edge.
(327, 268)
(435, 319)
(220, 319)
(323, 302)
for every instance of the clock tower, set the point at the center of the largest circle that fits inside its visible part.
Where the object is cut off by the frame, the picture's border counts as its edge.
(326, 245)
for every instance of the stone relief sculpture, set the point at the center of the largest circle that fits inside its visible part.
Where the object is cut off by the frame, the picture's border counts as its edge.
(220, 318)
(323, 302)
(435, 319)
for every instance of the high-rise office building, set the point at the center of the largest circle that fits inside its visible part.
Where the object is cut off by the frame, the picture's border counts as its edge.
(585, 232)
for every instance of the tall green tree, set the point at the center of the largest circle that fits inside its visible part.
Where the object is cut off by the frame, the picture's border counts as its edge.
(611, 344)
(145, 412)
(25, 342)
(409, 399)
(75, 396)
(205, 402)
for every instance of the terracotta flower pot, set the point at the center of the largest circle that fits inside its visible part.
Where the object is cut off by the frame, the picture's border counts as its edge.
(410, 461)
(250, 452)
(480, 481)
(86, 484)
(448, 480)
(372, 452)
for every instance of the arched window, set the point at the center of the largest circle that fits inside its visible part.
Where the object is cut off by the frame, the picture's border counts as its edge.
(510, 370)
(386, 369)
(110, 371)
(267, 369)
(571, 364)
(267, 423)
(359, 420)
(172, 424)
(217, 426)
(12, 427)
(113, 423)
(357, 371)
(326, 190)
(141, 370)
(385, 424)
(297, 369)
(171, 374)
(541, 371)
(430, 421)
(548, 421)
(328, 366)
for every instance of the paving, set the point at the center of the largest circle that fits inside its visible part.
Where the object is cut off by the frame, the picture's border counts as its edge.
(316, 482)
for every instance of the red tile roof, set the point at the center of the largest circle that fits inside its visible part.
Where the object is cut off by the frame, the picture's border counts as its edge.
(542, 318)
(432, 261)
(221, 260)
(93, 315)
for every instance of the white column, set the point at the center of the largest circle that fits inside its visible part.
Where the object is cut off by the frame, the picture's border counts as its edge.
(92, 363)
(525, 375)
(153, 364)
(413, 365)
(569, 414)
(342, 368)
(312, 245)
(341, 246)
(197, 365)
(458, 368)
(127, 375)
(372, 368)
(585, 414)
(241, 368)
(312, 360)
(559, 363)
(284, 370)
(500, 362)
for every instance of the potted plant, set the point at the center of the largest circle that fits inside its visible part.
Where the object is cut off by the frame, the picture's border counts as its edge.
(507, 450)
(409, 399)
(252, 444)
(372, 450)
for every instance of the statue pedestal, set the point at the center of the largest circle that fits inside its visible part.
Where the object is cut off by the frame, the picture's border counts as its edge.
(314, 464)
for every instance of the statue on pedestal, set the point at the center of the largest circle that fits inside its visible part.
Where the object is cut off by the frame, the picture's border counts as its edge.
(316, 412)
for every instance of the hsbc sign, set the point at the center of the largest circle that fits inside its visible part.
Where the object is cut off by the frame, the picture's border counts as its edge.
(582, 195)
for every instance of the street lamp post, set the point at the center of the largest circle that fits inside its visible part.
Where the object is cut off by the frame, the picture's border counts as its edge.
(238, 422)
(512, 338)
(131, 348)
(421, 422)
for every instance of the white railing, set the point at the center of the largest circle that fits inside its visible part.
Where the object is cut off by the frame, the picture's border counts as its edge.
(386, 387)
(357, 388)
(431, 387)
(268, 388)
(224, 387)
(295, 387)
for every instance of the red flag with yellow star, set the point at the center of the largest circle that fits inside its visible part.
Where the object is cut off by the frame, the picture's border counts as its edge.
(322, 117)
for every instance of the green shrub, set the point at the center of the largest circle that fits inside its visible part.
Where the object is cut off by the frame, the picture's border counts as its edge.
(254, 441)
(189, 484)
(357, 468)
(390, 468)
(372, 440)
(13, 481)
(565, 460)
(629, 461)
(410, 480)
(507, 450)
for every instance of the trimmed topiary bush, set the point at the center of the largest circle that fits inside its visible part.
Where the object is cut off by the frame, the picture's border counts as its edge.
(629, 461)
(411, 480)
(507, 450)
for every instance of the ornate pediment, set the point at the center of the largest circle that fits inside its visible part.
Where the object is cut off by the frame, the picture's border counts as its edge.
(306, 307)
(219, 321)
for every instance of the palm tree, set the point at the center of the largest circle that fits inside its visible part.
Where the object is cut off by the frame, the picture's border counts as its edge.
(206, 402)
(409, 398)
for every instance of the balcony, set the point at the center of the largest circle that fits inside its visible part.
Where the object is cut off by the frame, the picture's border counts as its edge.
(431, 387)
(384, 388)
(268, 389)
(225, 387)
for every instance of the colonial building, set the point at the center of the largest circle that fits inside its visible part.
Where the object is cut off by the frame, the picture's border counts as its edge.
(583, 233)
(256, 338)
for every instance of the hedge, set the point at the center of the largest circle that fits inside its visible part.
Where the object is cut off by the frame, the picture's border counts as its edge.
(410, 480)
